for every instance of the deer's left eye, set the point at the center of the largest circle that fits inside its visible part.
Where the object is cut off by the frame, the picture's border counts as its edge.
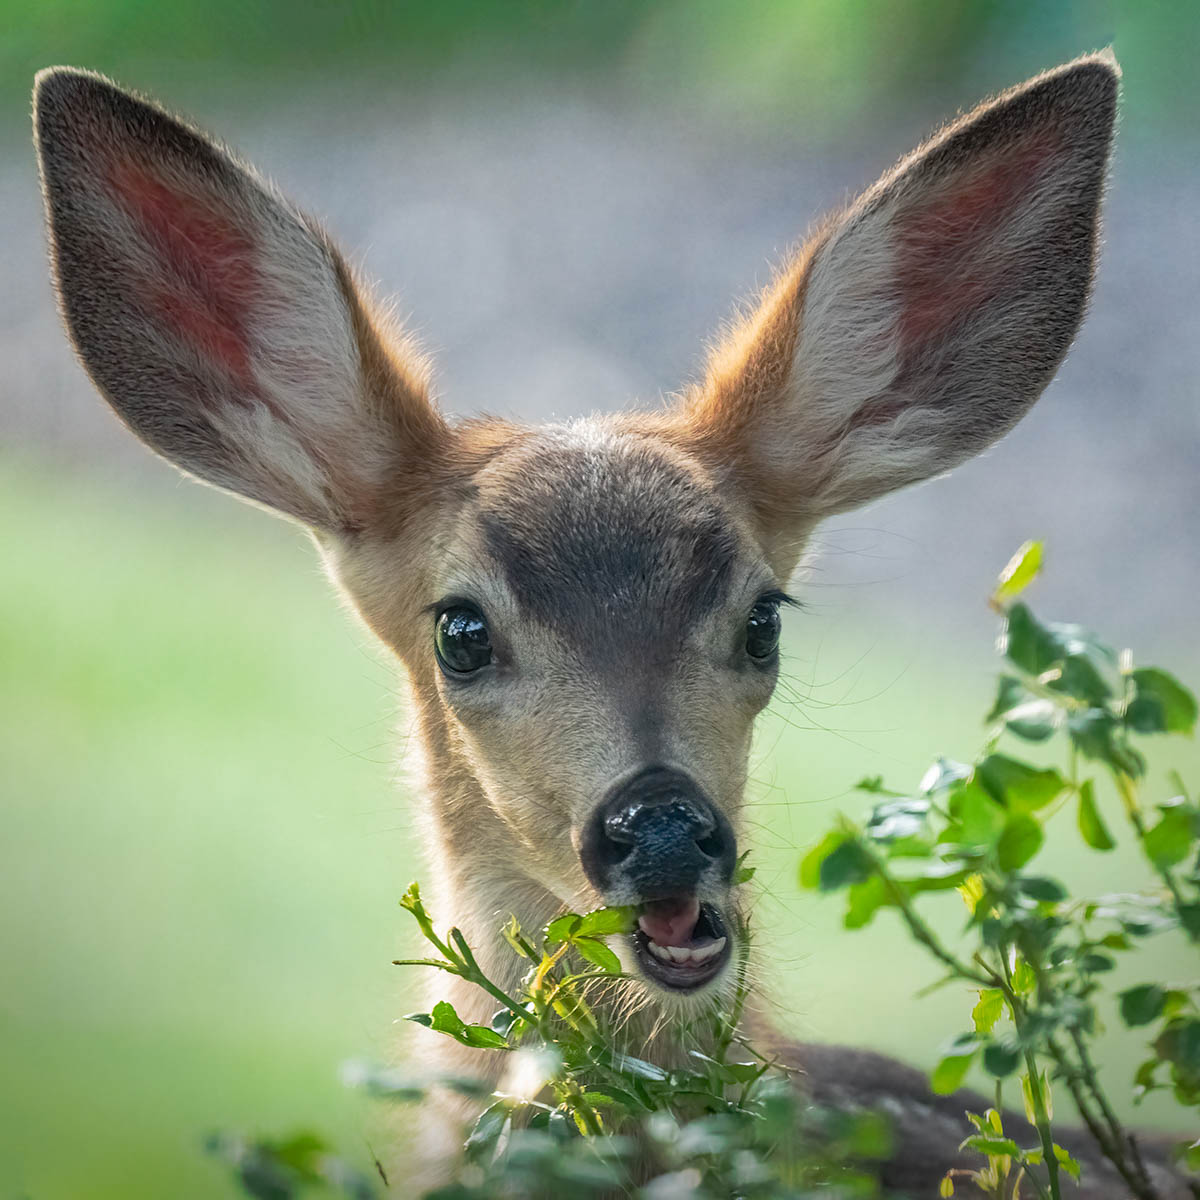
(462, 641)
(762, 629)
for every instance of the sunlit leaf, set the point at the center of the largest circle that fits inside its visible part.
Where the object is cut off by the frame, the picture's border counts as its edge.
(988, 1010)
(599, 954)
(1020, 571)
(604, 921)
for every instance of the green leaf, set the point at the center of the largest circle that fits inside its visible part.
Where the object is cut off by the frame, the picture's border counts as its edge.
(482, 1037)
(1017, 785)
(1143, 1004)
(949, 1074)
(1169, 842)
(639, 1068)
(741, 872)
(598, 953)
(810, 864)
(487, 1130)
(980, 818)
(1067, 1163)
(874, 785)
(1039, 887)
(1010, 692)
(604, 921)
(1079, 678)
(897, 819)
(1034, 721)
(864, 900)
(561, 928)
(1179, 1043)
(944, 774)
(1094, 733)
(993, 1147)
(1091, 824)
(1160, 704)
(847, 864)
(1027, 643)
(1022, 569)
(1001, 1058)
(444, 1019)
(1021, 840)
(988, 1010)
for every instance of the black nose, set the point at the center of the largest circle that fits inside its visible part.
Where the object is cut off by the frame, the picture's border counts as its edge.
(654, 836)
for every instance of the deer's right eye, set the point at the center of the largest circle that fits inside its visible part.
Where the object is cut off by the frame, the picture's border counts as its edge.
(462, 641)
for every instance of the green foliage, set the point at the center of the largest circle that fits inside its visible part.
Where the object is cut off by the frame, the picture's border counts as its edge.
(1036, 956)
(573, 1109)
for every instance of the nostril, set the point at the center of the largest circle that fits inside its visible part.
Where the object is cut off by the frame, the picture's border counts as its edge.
(711, 845)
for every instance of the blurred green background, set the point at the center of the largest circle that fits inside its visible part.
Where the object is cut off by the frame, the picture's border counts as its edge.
(204, 826)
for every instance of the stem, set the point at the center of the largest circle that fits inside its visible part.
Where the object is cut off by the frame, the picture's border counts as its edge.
(1139, 1181)
(1036, 1098)
(476, 976)
(1042, 1120)
(917, 927)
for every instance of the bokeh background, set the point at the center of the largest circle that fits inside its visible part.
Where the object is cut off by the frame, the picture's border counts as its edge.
(203, 834)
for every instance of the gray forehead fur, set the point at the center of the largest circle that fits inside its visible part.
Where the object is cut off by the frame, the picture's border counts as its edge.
(609, 539)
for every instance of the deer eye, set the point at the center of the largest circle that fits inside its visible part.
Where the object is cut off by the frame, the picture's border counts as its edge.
(762, 629)
(461, 640)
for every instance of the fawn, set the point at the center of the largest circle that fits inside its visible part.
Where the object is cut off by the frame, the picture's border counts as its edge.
(588, 613)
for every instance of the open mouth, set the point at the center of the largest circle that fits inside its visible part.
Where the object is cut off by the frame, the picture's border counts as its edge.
(680, 942)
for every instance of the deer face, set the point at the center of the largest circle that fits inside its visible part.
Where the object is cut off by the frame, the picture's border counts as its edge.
(588, 614)
(597, 631)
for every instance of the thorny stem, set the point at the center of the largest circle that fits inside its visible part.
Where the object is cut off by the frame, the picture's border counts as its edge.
(1124, 1141)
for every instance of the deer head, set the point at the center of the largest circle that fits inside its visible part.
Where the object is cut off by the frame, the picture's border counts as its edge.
(588, 613)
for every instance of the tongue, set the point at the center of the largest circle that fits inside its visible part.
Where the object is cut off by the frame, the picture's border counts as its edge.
(670, 922)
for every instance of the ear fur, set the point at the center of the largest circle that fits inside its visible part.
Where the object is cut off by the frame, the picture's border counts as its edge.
(221, 325)
(918, 327)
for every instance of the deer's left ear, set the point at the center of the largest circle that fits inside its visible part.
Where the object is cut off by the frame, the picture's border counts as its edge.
(917, 328)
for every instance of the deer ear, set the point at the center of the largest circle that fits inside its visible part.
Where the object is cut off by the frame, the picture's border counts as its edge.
(920, 326)
(221, 325)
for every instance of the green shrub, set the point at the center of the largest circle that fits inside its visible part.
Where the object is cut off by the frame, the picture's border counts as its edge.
(1037, 958)
(1035, 964)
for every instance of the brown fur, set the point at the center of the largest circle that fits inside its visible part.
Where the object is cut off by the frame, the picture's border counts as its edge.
(616, 559)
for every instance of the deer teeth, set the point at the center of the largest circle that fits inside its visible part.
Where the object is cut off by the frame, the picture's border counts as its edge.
(686, 954)
(704, 953)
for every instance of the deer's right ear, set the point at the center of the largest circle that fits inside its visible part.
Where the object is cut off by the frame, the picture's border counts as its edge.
(221, 325)
(918, 327)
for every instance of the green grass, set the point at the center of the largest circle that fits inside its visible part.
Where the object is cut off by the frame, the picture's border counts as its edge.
(202, 845)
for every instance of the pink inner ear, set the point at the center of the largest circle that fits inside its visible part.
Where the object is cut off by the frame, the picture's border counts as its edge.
(952, 253)
(204, 280)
